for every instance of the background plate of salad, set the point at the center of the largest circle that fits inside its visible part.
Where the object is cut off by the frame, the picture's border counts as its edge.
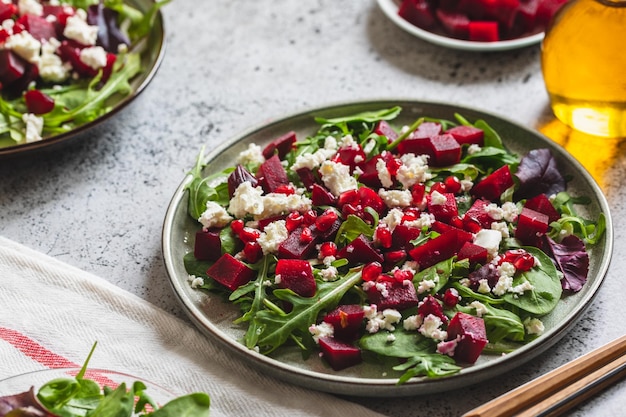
(67, 66)
(296, 333)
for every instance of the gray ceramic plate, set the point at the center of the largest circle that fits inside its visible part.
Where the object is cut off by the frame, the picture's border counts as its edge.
(151, 58)
(390, 8)
(215, 318)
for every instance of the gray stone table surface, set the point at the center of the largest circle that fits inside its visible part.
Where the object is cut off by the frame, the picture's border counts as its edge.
(98, 202)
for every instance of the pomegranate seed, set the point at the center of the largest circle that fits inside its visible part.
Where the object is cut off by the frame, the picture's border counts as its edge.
(410, 214)
(309, 217)
(237, 226)
(286, 189)
(252, 252)
(395, 256)
(326, 220)
(306, 236)
(293, 220)
(521, 260)
(453, 184)
(38, 102)
(328, 249)
(402, 275)
(439, 187)
(451, 297)
(417, 192)
(249, 234)
(393, 164)
(348, 197)
(348, 209)
(371, 271)
(4, 35)
(383, 236)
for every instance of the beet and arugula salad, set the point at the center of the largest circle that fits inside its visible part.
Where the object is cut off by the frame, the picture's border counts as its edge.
(422, 246)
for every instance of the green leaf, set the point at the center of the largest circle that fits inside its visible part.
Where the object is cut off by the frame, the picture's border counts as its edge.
(277, 327)
(500, 324)
(367, 117)
(351, 228)
(438, 273)
(192, 405)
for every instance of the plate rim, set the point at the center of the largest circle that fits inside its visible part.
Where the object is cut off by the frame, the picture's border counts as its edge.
(150, 73)
(372, 386)
(390, 9)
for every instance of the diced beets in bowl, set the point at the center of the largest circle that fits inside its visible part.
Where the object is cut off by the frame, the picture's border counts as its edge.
(321, 196)
(471, 334)
(417, 146)
(494, 185)
(295, 247)
(426, 130)
(446, 211)
(477, 217)
(467, 135)
(208, 246)
(281, 145)
(12, 67)
(435, 250)
(430, 305)
(542, 204)
(418, 12)
(271, 174)
(238, 177)
(396, 295)
(402, 236)
(454, 23)
(483, 31)
(384, 129)
(531, 225)
(296, 275)
(38, 27)
(446, 150)
(360, 250)
(347, 321)
(474, 253)
(328, 233)
(462, 236)
(230, 272)
(339, 355)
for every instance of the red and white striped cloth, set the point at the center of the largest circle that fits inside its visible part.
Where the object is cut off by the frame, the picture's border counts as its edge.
(51, 314)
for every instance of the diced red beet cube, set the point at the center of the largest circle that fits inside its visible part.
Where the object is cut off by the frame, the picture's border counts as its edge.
(471, 334)
(474, 253)
(339, 355)
(69, 51)
(467, 135)
(426, 130)
(454, 23)
(417, 12)
(230, 272)
(443, 212)
(403, 235)
(327, 234)
(435, 250)
(15, 89)
(369, 177)
(38, 102)
(107, 70)
(446, 150)
(307, 177)
(7, 11)
(530, 226)
(12, 67)
(384, 129)
(296, 275)
(477, 217)
(281, 145)
(38, 27)
(396, 295)
(347, 321)
(462, 236)
(352, 156)
(238, 177)
(494, 185)
(483, 31)
(429, 305)
(208, 246)
(271, 174)
(542, 204)
(320, 196)
(360, 250)
(417, 146)
(294, 247)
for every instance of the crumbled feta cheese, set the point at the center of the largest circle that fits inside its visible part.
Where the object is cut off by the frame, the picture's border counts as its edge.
(431, 328)
(412, 322)
(509, 212)
(381, 320)
(465, 282)
(277, 279)
(414, 169)
(447, 347)
(369, 146)
(383, 173)
(246, 200)
(312, 160)
(329, 273)
(272, 236)
(480, 308)
(348, 142)
(426, 285)
(424, 221)
(534, 326)
(51, 66)
(488, 239)
(276, 204)
(501, 227)
(337, 177)
(396, 198)
(33, 7)
(76, 28)
(503, 285)
(253, 155)
(214, 216)
(321, 330)
(328, 260)
(520, 288)
(94, 57)
(494, 211)
(473, 148)
(8, 25)
(24, 45)
(330, 143)
(483, 287)
(391, 338)
(392, 219)
(466, 184)
(195, 281)
(437, 199)
(34, 127)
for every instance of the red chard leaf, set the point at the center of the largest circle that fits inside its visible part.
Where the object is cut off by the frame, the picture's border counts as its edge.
(572, 260)
(538, 174)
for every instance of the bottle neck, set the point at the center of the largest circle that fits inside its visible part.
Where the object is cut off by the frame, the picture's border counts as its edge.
(613, 3)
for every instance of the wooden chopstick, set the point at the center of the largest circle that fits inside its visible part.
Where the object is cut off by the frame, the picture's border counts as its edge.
(587, 368)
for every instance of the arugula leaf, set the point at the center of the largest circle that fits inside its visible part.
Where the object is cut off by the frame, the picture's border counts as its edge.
(277, 327)
(352, 228)
(500, 324)
(200, 190)
(438, 273)
(367, 117)
(192, 405)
